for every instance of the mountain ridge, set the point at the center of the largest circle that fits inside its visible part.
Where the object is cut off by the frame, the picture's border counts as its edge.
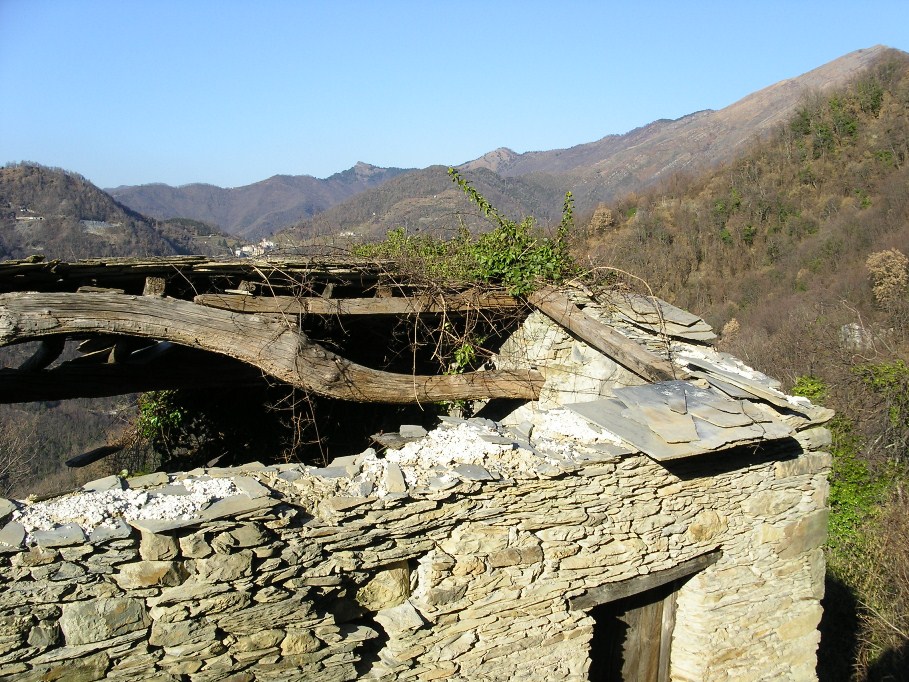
(255, 210)
(605, 168)
(596, 172)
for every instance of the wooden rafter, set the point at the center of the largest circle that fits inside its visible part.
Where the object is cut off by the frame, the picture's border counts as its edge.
(277, 349)
(313, 305)
(557, 306)
(77, 379)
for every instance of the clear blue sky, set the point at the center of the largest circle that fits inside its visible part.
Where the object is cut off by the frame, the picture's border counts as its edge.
(231, 92)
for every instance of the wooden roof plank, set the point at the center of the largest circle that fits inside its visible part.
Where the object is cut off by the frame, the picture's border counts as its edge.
(314, 305)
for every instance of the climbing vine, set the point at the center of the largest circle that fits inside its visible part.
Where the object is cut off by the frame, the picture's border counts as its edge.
(514, 254)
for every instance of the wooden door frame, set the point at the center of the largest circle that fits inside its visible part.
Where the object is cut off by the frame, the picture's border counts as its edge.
(610, 592)
(664, 587)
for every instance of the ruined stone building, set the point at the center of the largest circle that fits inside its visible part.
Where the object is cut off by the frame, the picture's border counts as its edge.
(640, 519)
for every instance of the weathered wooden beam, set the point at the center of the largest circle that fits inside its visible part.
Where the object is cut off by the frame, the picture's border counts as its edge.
(91, 289)
(130, 273)
(316, 305)
(627, 588)
(277, 349)
(558, 307)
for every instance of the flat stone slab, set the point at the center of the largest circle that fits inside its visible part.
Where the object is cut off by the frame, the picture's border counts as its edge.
(251, 487)
(330, 472)
(236, 504)
(12, 537)
(7, 507)
(412, 431)
(65, 653)
(363, 489)
(171, 489)
(440, 483)
(97, 620)
(342, 503)
(163, 525)
(107, 483)
(496, 439)
(119, 531)
(351, 463)
(473, 472)
(394, 479)
(149, 480)
(392, 441)
(676, 419)
(62, 536)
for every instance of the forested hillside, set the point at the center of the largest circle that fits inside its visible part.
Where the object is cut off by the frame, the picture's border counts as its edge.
(798, 252)
(616, 164)
(60, 214)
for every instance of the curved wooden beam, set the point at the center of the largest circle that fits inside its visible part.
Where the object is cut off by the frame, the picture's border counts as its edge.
(271, 345)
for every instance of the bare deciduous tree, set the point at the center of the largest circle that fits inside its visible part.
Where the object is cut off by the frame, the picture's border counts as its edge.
(18, 437)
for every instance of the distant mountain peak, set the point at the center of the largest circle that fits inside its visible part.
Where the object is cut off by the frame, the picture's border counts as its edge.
(497, 160)
(366, 170)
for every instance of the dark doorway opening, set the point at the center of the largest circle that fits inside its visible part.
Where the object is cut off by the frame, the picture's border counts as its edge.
(634, 620)
(632, 637)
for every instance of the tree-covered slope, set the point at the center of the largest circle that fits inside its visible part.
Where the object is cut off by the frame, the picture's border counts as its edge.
(799, 252)
(62, 215)
(427, 201)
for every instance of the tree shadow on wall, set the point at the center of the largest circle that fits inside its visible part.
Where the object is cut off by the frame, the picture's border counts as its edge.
(839, 632)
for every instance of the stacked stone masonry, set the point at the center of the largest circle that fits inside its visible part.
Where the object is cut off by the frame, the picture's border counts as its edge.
(465, 569)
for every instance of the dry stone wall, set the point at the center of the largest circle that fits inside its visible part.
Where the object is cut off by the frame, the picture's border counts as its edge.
(464, 579)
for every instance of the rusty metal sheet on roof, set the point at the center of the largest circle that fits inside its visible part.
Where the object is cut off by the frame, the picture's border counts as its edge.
(675, 419)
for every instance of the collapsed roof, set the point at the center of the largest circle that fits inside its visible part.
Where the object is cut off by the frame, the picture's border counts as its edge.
(155, 323)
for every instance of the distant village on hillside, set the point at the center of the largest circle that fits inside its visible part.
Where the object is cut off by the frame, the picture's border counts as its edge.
(255, 250)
